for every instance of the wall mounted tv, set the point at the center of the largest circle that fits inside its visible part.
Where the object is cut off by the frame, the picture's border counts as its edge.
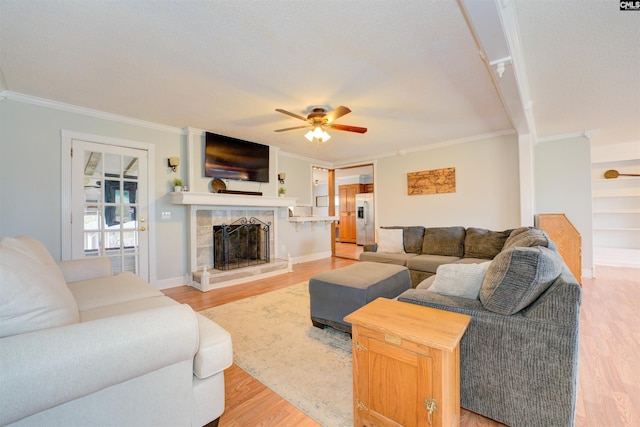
(232, 158)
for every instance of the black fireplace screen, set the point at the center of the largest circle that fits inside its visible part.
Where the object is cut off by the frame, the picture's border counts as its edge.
(240, 244)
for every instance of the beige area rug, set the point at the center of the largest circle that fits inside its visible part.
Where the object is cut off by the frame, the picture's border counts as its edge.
(274, 341)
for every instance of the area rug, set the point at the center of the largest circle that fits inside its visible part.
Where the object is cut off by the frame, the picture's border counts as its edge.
(274, 341)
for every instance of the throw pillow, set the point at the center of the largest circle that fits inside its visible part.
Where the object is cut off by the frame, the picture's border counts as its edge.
(33, 296)
(482, 243)
(411, 237)
(446, 241)
(460, 280)
(517, 277)
(390, 241)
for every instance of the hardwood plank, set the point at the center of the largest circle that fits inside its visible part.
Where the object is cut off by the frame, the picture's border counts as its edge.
(608, 386)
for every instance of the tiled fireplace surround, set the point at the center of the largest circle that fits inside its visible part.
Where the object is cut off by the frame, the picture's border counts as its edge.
(207, 210)
(204, 276)
(207, 217)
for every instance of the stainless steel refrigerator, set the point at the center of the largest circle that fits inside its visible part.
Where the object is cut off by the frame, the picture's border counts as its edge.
(365, 229)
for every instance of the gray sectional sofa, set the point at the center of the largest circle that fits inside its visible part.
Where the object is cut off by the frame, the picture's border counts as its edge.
(426, 248)
(519, 355)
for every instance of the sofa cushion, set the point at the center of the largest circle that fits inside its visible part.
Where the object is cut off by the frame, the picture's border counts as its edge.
(105, 291)
(527, 237)
(517, 277)
(482, 243)
(447, 241)
(396, 259)
(390, 241)
(33, 293)
(429, 263)
(411, 237)
(460, 280)
(126, 307)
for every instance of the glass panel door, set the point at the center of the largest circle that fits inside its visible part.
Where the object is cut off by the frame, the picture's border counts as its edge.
(112, 205)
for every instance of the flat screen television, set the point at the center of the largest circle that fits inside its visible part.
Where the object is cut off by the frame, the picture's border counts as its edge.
(232, 158)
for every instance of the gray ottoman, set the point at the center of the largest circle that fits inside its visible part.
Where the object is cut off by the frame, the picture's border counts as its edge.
(336, 293)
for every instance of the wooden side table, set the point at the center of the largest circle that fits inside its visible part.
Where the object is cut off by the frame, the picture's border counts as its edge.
(406, 364)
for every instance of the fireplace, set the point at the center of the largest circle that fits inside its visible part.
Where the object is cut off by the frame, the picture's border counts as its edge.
(242, 243)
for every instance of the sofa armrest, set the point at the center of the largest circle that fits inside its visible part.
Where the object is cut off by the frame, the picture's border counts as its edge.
(517, 367)
(43, 369)
(85, 269)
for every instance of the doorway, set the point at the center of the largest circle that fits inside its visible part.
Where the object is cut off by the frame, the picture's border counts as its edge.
(108, 205)
(348, 182)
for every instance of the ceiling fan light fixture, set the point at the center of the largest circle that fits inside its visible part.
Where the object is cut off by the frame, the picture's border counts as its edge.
(325, 136)
(309, 136)
(318, 132)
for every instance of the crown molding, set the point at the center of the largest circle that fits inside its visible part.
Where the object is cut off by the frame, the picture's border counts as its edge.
(434, 146)
(578, 134)
(69, 108)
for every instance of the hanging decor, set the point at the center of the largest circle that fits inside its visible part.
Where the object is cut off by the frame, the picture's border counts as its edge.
(431, 182)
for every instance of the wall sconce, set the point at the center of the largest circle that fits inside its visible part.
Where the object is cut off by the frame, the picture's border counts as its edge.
(281, 177)
(174, 162)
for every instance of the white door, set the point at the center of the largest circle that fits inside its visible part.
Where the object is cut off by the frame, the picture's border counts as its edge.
(109, 205)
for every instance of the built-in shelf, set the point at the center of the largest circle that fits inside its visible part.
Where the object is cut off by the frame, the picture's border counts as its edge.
(299, 220)
(217, 199)
(616, 211)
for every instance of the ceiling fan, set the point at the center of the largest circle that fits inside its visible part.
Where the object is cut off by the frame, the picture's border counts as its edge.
(318, 119)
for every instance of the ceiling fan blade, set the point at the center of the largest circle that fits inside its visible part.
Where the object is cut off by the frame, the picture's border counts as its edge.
(348, 128)
(295, 127)
(337, 113)
(288, 113)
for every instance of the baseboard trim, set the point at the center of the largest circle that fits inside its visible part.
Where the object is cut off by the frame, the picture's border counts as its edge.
(311, 257)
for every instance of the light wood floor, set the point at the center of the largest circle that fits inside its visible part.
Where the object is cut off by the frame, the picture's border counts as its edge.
(609, 375)
(348, 250)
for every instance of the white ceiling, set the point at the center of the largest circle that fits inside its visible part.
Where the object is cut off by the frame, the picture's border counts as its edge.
(409, 70)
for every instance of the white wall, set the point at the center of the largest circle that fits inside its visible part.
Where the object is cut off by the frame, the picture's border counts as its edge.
(563, 185)
(487, 184)
(31, 188)
(487, 189)
(298, 180)
(30, 177)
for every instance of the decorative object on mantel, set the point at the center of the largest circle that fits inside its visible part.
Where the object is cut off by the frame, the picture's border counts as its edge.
(612, 174)
(432, 181)
(177, 185)
(282, 191)
(319, 118)
(217, 185)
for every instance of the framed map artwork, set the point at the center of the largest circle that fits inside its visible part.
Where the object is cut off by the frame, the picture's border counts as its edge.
(431, 182)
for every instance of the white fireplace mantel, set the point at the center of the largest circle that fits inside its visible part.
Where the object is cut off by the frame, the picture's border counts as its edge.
(217, 199)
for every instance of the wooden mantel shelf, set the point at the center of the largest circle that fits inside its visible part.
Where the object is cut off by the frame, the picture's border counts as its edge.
(216, 199)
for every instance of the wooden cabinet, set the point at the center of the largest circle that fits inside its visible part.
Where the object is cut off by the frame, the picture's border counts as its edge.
(406, 364)
(347, 197)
